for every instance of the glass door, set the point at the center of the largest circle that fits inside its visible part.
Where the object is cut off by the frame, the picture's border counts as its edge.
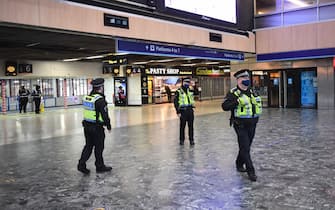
(293, 89)
(274, 89)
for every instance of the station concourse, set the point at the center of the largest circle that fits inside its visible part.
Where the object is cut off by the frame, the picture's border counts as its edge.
(292, 152)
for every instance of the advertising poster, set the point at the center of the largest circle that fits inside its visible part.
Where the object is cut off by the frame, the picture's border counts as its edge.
(120, 91)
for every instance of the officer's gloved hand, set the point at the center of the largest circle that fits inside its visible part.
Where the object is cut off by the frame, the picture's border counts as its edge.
(235, 100)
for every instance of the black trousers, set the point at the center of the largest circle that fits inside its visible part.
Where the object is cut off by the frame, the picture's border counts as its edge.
(245, 135)
(23, 104)
(186, 116)
(95, 138)
(37, 105)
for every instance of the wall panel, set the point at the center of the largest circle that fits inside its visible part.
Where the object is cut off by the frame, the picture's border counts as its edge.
(75, 17)
(294, 38)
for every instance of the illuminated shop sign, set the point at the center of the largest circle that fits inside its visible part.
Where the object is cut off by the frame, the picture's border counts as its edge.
(175, 51)
(168, 71)
(202, 71)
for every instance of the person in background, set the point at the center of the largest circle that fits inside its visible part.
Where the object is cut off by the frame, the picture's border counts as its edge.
(245, 107)
(37, 94)
(184, 104)
(23, 99)
(95, 118)
(168, 92)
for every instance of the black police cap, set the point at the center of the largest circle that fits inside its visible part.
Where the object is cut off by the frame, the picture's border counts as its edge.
(187, 79)
(242, 73)
(97, 82)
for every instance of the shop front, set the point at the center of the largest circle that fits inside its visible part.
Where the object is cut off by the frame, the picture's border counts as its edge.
(288, 88)
(159, 84)
(213, 82)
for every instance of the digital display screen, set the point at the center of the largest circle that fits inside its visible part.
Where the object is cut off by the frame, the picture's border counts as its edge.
(224, 10)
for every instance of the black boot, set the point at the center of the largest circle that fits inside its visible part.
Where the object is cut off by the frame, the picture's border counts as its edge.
(241, 168)
(103, 169)
(83, 169)
(252, 176)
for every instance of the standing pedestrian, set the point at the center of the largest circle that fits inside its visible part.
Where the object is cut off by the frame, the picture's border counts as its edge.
(95, 118)
(245, 107)
(23, 99)
(184, 104)
(37, 94)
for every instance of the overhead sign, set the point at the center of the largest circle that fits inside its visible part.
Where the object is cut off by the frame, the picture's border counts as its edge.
(11, 68)
(175, 51)
(168, 71)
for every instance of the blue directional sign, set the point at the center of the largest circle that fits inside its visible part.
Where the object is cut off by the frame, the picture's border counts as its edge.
(175, 51)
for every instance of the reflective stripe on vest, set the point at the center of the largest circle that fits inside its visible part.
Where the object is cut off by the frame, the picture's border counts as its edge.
(248, 107)
(89, 108)
(183, 102)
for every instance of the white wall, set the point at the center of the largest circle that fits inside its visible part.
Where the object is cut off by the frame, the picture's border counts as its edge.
(134, 90)
(109, 90)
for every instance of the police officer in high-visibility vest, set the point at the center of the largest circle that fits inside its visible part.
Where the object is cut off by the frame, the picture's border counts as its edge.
(95, 118)
(184, 104)
(245, 106)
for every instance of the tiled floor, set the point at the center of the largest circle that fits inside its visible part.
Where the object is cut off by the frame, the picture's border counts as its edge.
(293, 153)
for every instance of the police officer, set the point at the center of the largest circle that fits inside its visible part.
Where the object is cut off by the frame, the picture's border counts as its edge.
(245, 107)
(23, 100)
(184, 104)
(37, 94)
(95, 117)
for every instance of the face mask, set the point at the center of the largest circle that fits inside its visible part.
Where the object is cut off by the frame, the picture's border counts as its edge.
(186, 85)
(246, 82)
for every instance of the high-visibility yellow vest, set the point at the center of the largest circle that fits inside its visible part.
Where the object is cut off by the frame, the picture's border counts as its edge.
(183, 102)
(89, 108)
(248, 107)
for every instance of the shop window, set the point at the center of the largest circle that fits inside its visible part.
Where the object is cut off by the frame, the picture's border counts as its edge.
(327, 12)
(298, 4)
(268, 7)
(46, 86)
(300, 16)
(268, 21)
(74, 87)
(14, 87)
(322, 2)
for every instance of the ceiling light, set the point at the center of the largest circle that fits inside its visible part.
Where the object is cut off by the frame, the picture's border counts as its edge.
(188, 64)
(138, 63)
(162, 61)
(95, 57)
(212, 63)
(71, 59)
(33, 44)
(190, 58)
(125, 53)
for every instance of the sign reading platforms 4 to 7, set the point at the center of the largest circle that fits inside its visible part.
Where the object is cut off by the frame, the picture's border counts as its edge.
(175, 51)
